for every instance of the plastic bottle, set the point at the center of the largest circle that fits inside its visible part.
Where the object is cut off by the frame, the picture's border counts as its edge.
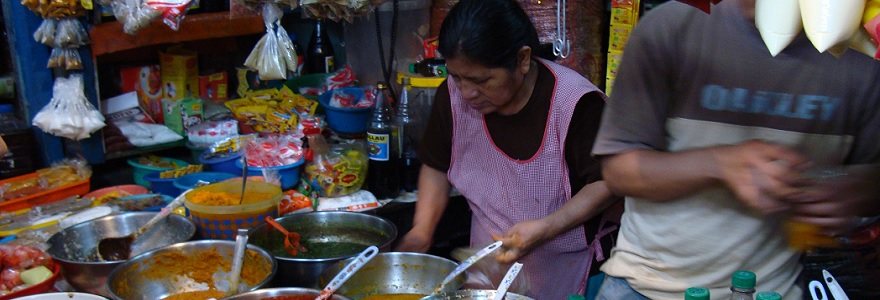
(408, 135)
(768, 296)
(383, 179)
(320, 57)
(696, 293)
(431, 67)
(742, 285)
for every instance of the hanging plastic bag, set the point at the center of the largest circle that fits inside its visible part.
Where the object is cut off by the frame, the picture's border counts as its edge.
(266, 57)
(830, 22)
(285, 47)
(45, 34)
(69, 114)
(140, 15)
(779, 22)
(70, 33)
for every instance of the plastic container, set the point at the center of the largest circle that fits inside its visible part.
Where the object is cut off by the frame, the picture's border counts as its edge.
(119, 191)
(289, 173)
(346, 120)
(164, 186)
(224, 164)
(77, 188)
(141, 170)
(189, 181)
(222, 222)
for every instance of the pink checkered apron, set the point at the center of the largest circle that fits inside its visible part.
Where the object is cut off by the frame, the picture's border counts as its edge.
(503, 191)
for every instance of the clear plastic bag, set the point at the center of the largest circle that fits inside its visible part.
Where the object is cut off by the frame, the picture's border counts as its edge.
(486, 273)
(141, 15)
(266, 57)
(285, 47)
(45, 34)
(70, 33)
(69, 114)
(67, 58)
(172, 11)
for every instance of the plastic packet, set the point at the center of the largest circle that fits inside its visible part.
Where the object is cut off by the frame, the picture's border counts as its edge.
(70, 33)
(172, 11)
(285, 47)
(45, 34)
(69, 114)
(140, 16)
(487, 273)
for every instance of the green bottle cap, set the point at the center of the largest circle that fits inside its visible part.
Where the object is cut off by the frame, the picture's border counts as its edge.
(696, 293)
(768, 296)
(576, 297)
(412, 68)
(743, 280)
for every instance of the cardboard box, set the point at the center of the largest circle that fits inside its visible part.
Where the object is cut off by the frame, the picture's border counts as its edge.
(146, 81)
(125, 108)
(180, 73)
(182, 114)
(214, 86)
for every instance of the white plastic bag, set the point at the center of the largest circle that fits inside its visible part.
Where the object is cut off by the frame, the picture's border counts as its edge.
(779, 22)
(69, 114)
(831, 22)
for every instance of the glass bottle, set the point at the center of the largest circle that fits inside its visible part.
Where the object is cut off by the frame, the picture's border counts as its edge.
(429, 67)
(742, 285)
(383, 179)
(696, 293)
(769, 295)
(408, 135)
(320, 57)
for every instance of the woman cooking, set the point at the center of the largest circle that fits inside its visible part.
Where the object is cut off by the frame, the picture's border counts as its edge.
(513, 132)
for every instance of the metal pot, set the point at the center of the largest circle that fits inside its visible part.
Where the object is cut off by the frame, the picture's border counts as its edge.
(74, 248)
(281, 292)
(128, 281)
(395, 273)
(326, 226)
(474, 295)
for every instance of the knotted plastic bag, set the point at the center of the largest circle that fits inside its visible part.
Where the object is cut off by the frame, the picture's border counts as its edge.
(69, 114)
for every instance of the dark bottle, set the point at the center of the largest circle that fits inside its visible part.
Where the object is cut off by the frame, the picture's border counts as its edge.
(383, 178)
(408, 136)
(300, 55)
(320, 57)
(431, 67)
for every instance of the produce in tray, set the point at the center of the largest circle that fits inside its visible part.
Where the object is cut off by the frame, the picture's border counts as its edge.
(23, 266)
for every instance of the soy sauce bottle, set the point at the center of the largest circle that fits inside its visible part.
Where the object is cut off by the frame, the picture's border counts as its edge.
(408, 136)
(383, 175)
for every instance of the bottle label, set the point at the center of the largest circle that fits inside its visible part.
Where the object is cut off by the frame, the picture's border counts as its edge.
(378, 145)
(329, 64)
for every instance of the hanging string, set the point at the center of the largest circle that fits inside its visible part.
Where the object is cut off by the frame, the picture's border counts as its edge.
(387, 67)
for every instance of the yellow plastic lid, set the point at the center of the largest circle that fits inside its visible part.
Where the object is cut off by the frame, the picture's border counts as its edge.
(421, 81)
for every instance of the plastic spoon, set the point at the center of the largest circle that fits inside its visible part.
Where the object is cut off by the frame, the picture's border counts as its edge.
(237, 260)
(347, 272)
(508, 279)
(119, 248)
(466, 264)
(291, 239)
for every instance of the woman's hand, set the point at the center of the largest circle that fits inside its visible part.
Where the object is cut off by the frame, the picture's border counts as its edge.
(414, 241)
(520, 239)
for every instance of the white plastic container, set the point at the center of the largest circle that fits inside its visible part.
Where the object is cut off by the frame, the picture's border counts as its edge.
(779, 22)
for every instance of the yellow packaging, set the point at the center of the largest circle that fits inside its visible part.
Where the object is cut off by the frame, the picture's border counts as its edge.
(623, 16)
(180, 73)
(614, 59)
(618, 37)
(609, 83)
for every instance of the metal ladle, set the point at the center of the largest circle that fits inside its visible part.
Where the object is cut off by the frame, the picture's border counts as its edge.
(119, 248)
(466, 264)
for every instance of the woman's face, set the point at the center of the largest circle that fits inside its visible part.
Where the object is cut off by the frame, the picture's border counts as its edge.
(486, 90)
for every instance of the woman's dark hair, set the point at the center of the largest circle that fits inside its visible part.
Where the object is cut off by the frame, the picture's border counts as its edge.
(490, 32)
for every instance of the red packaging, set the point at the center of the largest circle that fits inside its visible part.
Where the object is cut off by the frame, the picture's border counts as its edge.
(214, 86)
(147, 82)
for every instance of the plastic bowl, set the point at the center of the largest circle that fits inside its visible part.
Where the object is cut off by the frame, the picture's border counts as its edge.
(189, 181)
(346, 120)
(289, 174)
(163, 186)
(120, 190)
(225, 164)
(222, 221)
(141, 170)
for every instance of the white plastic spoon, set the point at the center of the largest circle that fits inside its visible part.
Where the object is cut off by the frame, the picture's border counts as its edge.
(508, 279)
(466, 264)
(237, 260)
(347, 272)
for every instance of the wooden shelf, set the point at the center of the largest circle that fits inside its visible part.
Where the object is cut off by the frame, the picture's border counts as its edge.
(109, 37)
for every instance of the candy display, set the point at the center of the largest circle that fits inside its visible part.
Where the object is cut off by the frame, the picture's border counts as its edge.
(274, 151)
(336, 170)
(209, 132)
(271, 111)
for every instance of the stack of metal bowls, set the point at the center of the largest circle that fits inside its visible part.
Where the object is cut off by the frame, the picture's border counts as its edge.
(75, 247)
(316, 228)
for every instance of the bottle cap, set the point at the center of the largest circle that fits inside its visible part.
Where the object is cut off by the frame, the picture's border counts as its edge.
(576, 297)
(768, 296)
(412, 68)
(381, 85)
(696, 293)
(743, 279)
(5, 108)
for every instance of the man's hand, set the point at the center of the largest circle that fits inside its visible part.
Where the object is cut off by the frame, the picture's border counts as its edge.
(520, 239)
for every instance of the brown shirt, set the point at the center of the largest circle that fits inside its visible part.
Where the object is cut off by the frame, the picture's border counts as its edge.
(520, 136)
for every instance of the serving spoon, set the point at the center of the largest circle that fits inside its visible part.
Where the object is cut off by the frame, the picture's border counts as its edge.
(119, 248)
(467, 263)
(349, 270)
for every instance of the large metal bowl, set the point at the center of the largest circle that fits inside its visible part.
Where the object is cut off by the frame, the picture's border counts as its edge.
(133, 280)
(395, 273)
(74, 247)
(474, 295)
(281, 293)
(327, 226)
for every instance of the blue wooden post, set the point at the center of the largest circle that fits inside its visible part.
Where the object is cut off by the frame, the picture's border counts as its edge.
(35, 83)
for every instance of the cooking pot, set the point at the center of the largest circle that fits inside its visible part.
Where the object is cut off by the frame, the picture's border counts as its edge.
(321, 228)
(474, 295)
(395, 273)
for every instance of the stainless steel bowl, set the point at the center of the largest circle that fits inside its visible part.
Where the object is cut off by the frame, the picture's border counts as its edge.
(74, 247)
(327, 226)
(281, 292)
(395, 273)
(129, 281)
(474, 295)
